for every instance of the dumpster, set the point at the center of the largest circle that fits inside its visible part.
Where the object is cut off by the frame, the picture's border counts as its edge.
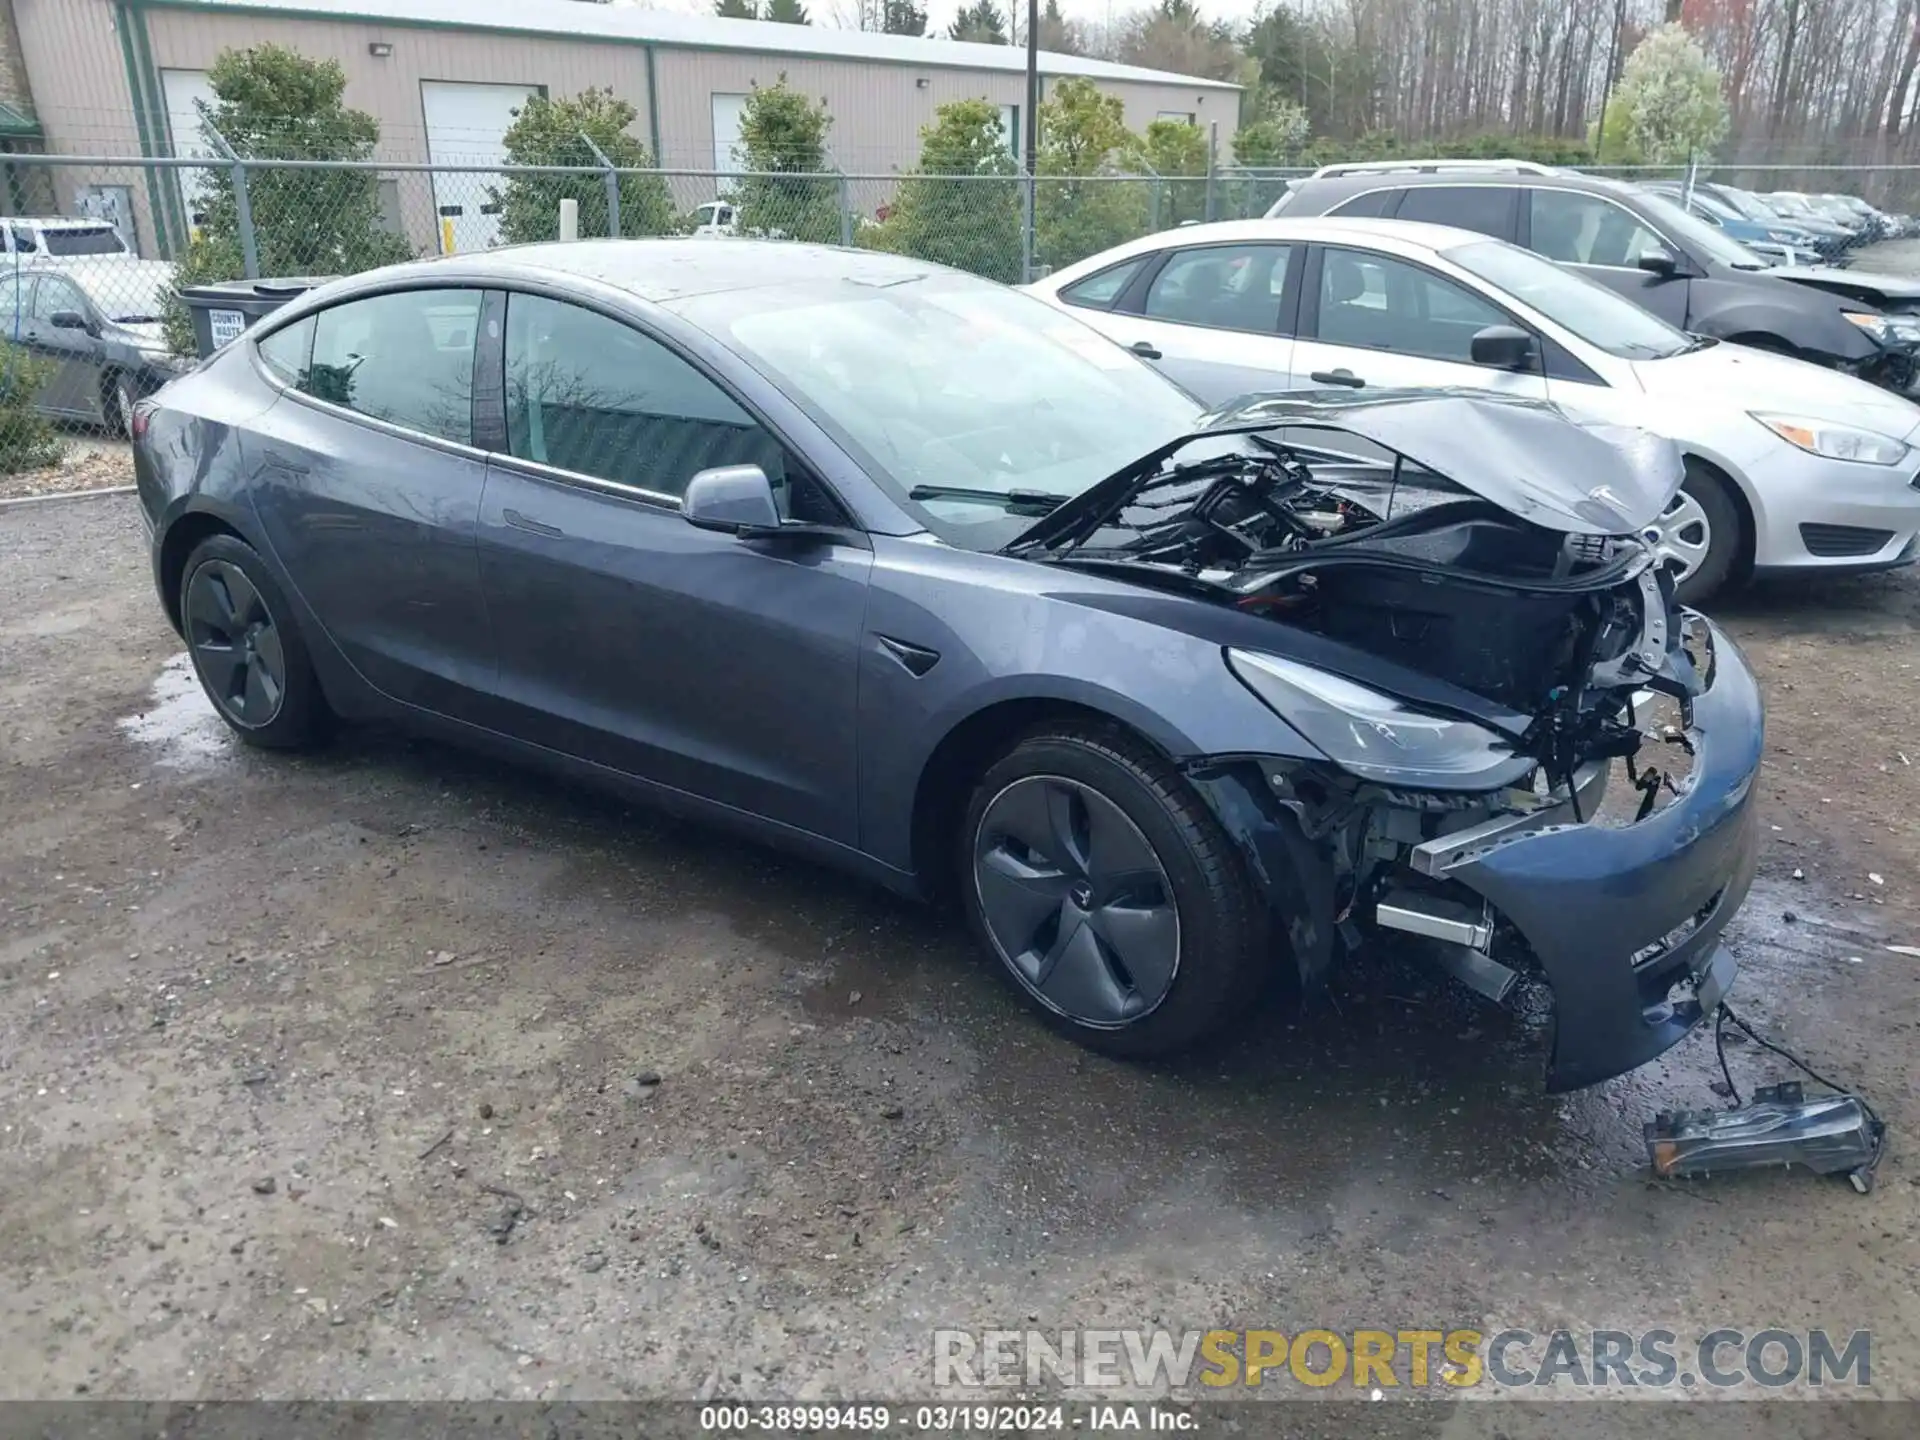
(221, 311)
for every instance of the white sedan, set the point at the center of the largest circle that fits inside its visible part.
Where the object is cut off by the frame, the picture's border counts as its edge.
(1789, 466)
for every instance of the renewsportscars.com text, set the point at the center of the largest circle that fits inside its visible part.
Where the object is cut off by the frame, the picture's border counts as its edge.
(1220, 1361)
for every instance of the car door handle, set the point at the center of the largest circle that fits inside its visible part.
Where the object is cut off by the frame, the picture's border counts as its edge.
(527, 522)
(1144, 349)
(1337, 377)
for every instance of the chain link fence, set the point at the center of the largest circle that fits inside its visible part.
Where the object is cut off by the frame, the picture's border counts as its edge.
(97, 247)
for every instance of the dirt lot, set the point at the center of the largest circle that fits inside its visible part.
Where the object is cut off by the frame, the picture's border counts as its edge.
(389, 1073)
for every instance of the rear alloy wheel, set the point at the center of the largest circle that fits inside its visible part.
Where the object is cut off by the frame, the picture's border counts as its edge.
(1109, 894)
(250, 660)
(1698, 534)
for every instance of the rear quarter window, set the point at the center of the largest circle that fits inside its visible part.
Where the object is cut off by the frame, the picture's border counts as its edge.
(1099, 291)
(1372, 205)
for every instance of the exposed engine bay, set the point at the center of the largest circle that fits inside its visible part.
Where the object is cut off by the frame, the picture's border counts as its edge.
(1551, 635)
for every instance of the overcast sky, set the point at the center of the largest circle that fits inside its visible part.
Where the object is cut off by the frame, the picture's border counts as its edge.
(940, 12)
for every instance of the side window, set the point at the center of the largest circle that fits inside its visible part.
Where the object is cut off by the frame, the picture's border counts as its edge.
(286, 352)
(589, 394)
(1578, 229)
(406, 358)
(53, 295)
(1230, 287)
(1371, 205)
(1099, 291)
(1485, 208)
(1380, 303)
(23, 239)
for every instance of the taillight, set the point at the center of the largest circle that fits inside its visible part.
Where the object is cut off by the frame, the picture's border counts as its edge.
(141, 415)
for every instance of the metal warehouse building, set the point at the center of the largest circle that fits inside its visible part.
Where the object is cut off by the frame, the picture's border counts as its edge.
(120, 78)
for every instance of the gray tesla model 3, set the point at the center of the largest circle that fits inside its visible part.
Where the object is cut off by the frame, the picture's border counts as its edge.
(921, 577)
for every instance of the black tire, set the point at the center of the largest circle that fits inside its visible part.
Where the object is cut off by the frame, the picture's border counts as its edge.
(118, 394)
(1220, 929)
(247, 649)
(1726, 535)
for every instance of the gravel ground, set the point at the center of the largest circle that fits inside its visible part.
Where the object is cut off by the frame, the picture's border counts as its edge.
(393, 1073)
(87, 464)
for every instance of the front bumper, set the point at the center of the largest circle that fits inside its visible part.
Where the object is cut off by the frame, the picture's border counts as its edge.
(1815, 514)
(1625, 921)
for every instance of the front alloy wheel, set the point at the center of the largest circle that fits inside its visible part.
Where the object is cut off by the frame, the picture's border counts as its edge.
(1107, 892)
(1076, 902)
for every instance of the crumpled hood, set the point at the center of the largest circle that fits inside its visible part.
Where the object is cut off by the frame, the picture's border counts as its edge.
(1544, 463)
(1548, 464)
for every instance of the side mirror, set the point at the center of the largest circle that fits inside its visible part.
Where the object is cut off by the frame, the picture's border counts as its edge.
(1658, 262)
(68, 320)
(733, 499)
(1504, 347)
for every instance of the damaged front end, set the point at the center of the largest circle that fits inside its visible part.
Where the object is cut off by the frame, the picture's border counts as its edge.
(1448, 597)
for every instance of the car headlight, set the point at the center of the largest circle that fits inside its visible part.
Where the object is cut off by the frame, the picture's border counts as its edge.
(1836, 442)
(1781, 237)
(1375, 736)
(1887, 329)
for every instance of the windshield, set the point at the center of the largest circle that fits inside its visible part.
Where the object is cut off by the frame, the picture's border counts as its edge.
(1697, 235)
(943, 382)
(1713, 205)
(83, 240)
(1749, 205)
(1589, 310)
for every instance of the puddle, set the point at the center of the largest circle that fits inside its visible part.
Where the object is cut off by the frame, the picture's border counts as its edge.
(179, 722)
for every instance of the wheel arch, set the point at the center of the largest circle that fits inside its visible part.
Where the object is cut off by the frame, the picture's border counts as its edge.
(1737, 492)
(953, 766)
(182, 535)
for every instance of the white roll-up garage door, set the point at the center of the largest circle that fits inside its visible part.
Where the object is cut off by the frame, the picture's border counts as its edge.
(466, 125)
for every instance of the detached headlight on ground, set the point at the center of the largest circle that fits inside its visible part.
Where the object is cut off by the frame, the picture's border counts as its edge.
(1375, 736)
(1887, 329)
(1836, 442)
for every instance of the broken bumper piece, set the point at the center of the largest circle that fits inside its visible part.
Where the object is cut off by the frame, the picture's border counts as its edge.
(1625, 921)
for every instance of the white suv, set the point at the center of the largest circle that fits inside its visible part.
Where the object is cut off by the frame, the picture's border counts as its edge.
(58, 238)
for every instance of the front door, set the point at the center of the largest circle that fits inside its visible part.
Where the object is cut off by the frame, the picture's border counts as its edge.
(720, 667)
(1370, 320)
(368, 487)
(1604, 241)
(73, 387)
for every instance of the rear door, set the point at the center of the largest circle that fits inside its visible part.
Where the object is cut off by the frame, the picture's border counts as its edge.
(1488, 209)
(1215, 319)
(1379, 321)
(368, 486)
(1603, 240)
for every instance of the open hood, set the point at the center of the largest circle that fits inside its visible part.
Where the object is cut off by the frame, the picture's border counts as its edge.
(1543, 463)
